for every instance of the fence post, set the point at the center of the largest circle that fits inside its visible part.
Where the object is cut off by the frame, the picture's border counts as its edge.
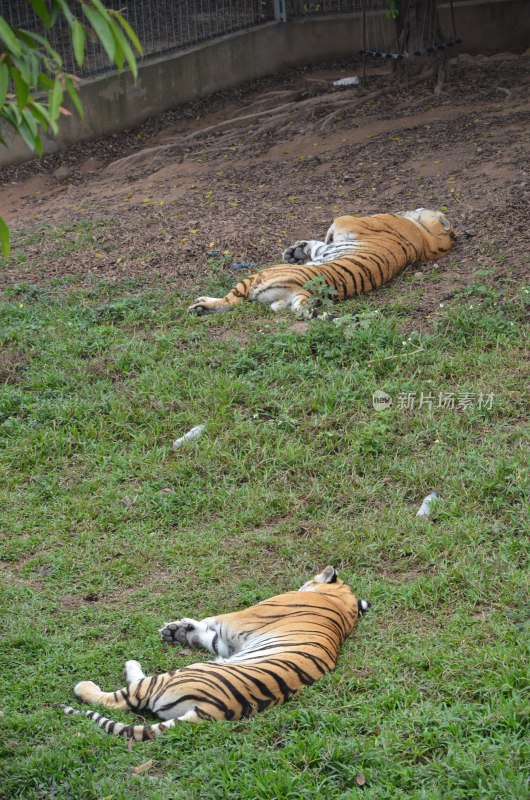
(280, 11)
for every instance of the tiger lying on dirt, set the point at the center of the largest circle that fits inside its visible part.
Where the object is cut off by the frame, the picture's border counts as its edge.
(358, 255)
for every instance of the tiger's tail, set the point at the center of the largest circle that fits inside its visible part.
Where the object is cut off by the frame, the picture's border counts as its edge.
(139, 733)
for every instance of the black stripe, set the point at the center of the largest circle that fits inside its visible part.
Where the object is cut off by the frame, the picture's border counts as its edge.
(259, 684)
(243, 702)
(199, 676)
(283, 686)
(304, 677)
(205, 697)
(366, 271)
(132, 706)
(352, 276)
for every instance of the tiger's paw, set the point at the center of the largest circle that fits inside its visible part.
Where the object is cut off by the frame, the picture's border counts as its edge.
(205, 305)
(87, 691)
(182, 631)
(296, 254)
(133, 671)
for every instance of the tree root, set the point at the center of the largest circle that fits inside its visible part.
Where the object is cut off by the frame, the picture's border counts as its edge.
(262, 101)
(507, 92)
(312, 114)
(310, 102)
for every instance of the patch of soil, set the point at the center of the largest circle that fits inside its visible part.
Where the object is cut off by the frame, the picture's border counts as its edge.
(9, 570)
(251, 170)
(12, 364)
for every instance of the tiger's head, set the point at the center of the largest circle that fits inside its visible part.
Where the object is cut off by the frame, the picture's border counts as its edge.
(437, 232)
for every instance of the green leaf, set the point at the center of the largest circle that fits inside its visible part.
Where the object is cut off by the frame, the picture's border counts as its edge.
(7, 35)
(102, 29)
(123, 48)
(102, 10)
(74, 96)
(34, 70)
(11, 114)
(63, 5)
(129, 31)
(4, 239)
(40, 114)
(119, 53)
(4, 81)
(55, 99)
(40, 9)
(22, 65)
(78, 40)
(29, 62)
(21, 87)
(31, 36)
(25, 131)
(43, 116)
(31, 122)
(44, 82)
(38, 145)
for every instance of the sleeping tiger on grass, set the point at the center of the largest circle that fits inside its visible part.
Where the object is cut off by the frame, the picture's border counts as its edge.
(265, 655)
(358, 255)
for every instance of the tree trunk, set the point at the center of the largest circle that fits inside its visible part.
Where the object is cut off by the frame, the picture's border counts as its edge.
(418, 25)
(418, 33)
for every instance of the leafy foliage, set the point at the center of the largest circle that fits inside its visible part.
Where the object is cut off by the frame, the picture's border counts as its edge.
(33, 82)
(323, 294)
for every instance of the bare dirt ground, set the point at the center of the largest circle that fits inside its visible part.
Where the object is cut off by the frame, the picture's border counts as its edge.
(249, 171)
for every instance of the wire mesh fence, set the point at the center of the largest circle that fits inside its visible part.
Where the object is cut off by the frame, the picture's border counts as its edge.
(308, 8)
(164, 26)
(161, 25)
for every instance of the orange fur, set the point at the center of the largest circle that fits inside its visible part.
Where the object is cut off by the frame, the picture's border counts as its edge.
(369, 251)
(266, 654)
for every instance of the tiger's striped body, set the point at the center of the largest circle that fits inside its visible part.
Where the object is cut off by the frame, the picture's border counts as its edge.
(265, 654)
(358, 255)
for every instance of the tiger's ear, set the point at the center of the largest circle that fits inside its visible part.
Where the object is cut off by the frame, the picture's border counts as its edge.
(328, 575)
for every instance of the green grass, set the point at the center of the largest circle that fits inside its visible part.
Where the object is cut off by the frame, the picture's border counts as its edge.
(107, 533)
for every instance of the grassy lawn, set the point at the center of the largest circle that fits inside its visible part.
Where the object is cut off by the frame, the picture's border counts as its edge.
(107, 533)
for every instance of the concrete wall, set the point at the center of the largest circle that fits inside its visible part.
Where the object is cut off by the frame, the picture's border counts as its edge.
(114, 102)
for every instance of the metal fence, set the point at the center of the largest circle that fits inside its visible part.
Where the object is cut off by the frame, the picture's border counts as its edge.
(164, 26)
(307, 8)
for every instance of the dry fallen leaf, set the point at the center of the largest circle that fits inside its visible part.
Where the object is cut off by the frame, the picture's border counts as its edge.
(143, 767)
(360, 780)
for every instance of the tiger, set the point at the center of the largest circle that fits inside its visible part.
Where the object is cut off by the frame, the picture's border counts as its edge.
(265, 655)
(359, 254)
